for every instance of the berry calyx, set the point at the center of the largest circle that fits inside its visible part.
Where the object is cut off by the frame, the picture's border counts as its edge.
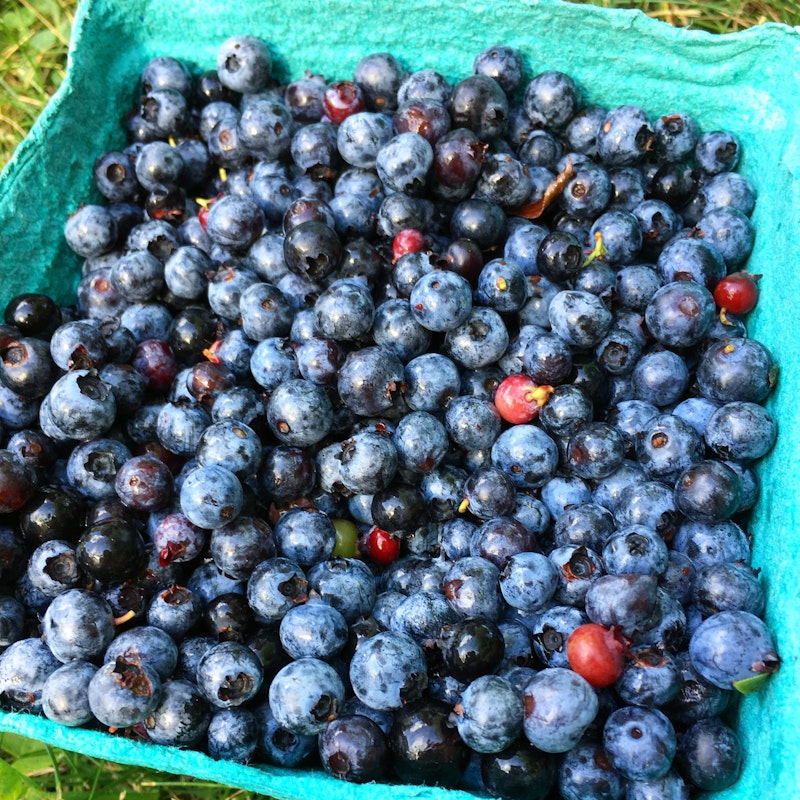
(518, 398)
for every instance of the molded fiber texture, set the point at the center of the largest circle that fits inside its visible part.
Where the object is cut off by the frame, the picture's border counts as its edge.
(747, 82)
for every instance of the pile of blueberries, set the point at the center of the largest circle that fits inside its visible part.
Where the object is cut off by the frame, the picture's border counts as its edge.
(400, 428)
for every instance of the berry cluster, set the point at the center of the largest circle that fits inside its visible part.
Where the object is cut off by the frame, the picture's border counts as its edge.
(400, 427)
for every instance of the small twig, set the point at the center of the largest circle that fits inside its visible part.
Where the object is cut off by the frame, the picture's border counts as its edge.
(554, 190)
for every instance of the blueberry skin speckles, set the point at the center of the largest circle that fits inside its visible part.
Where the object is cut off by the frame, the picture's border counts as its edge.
(441, 300)
(527, 455)
(181, 717)
(579, 318)
(299, 413)
(624, 136)
(123, 692)
(313, 630)
(229, 674)
(489, 715)
(640, 742)
(737, 369)
(244, 64)
(741, 431)
(64, 695)
(305, 695)
(211, 497)
(559, 706)
(78, 624)
(25, 665)
(232, 735)
(388, 670)
(734, 649)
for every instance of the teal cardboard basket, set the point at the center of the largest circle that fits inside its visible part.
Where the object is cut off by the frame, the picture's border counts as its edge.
(746, 82)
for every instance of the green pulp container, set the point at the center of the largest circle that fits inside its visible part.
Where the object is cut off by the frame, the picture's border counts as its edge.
(746, 82)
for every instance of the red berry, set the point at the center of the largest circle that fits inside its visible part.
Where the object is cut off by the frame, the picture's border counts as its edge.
(737, 293)
(597, 653)
(155, 360)
(409, 240)
(518, 398)
(381, 546)
(341, 99)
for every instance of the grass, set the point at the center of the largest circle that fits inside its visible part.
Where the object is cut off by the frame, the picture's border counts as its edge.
(34, 37)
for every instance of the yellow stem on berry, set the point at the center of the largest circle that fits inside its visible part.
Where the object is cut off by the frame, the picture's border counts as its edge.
(463, 506)
(124, 618)
(539, 395)
(502, 284)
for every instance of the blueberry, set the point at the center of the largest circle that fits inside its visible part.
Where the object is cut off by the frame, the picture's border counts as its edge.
(551, 98)
(78, 625)
(148, 645)
(440, 300)
(471, 587)
(489, 715)
(425, 746)
(625, 135)
(64, 695)
(277, 744)
(559, 706)
(181, 717)
(640, 742)
(528, 581)
(244, 64)
(313, 630)
(123, 692)
(741, 430)
(626, 600)
(25, 666)
(353, 747)
(232, 735)
(305, 695)
(229, 674)
(211, 496)
(734, 649)
(275, 586)
(347, 584)
(585, 773)
(526, 454)
(710, 755)
(579, 318)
